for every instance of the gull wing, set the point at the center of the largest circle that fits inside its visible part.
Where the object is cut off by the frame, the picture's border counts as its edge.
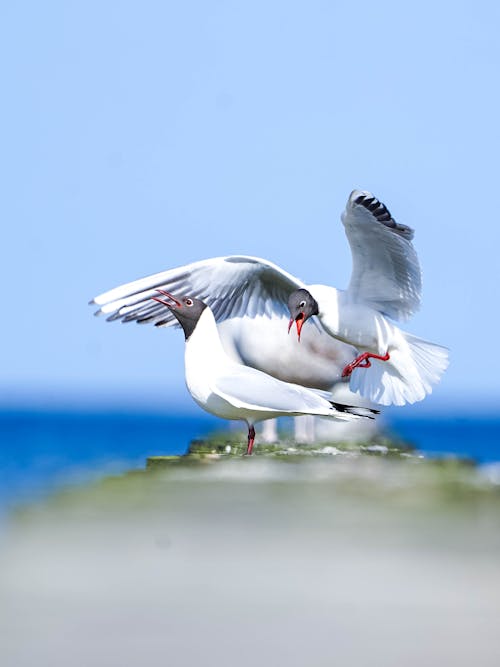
(231, 286)
(385, 272)
(251, 389)
(258, 391)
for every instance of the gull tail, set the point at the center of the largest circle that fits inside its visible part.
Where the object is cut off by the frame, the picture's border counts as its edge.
(415, 365)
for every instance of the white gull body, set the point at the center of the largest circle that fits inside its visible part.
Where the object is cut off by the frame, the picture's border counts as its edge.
(413, 367)
(233, 391)
(249, 293)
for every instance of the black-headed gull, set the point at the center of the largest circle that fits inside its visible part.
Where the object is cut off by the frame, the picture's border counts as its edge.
(233, 391)
(385, 283)
(257, 338)
(249, 297)
(262, 342)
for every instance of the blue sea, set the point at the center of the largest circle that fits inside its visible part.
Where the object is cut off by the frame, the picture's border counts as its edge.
(40, 451)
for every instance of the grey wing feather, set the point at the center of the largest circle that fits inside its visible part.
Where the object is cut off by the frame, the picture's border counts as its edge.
(252, 389)
(386, 271)
(231, 286)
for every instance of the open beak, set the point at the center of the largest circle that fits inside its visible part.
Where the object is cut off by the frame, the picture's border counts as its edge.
(176, 303)
(299, 323)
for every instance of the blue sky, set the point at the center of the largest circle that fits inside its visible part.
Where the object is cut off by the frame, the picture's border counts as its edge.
(137, 137)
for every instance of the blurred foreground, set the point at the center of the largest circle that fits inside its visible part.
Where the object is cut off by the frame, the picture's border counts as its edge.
(347, 559)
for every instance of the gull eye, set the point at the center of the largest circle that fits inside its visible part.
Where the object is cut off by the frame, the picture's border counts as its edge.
(302, 304)
(188, 302)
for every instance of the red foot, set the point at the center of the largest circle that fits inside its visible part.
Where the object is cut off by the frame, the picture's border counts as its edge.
(363, 361)
(251, 438)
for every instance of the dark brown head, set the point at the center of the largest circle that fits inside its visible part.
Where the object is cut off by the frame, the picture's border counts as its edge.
(186, 309)
(302, 306)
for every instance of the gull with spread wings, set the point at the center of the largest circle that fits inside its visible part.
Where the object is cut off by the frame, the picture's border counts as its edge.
(392, 367)
(233, 391)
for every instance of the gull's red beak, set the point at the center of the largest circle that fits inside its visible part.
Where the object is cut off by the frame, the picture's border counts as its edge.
(170, 296)
(299, 323)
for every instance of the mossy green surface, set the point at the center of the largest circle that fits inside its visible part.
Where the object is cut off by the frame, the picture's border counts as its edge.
(222, 446)
(382, 473)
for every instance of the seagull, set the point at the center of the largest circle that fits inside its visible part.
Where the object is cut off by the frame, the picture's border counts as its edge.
(233, 391)
(255, 338)
(249, 297)
(385, 285)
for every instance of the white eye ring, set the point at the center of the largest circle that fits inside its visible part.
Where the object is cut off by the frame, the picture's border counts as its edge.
(188, 302)
(302, 304)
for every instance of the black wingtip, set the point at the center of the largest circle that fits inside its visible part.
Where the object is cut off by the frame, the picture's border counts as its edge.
(375, 206)
(381, 213)
(353, 409)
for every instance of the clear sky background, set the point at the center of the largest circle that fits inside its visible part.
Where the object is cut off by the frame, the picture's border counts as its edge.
(138, 136)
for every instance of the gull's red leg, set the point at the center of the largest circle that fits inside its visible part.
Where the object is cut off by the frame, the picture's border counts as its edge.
(363, 361)
(251, 438)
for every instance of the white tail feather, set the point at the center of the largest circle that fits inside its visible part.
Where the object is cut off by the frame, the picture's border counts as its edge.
(414, 366)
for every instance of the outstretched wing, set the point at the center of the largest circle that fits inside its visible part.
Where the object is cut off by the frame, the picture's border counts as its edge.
(386, 272)
(231, 286)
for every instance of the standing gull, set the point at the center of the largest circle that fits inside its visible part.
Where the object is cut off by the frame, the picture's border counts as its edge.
(232, 391)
